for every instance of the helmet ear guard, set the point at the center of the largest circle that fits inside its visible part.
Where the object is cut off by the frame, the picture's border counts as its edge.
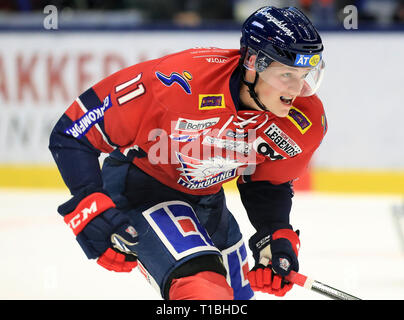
(249, 59)
(250, 64)
(255, 61)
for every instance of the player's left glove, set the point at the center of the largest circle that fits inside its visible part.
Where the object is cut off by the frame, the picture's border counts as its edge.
(275, 255)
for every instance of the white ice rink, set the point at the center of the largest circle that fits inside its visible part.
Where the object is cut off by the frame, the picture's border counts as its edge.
(349, 242)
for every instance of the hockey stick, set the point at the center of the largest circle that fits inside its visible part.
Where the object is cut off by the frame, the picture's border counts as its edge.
(319, 287)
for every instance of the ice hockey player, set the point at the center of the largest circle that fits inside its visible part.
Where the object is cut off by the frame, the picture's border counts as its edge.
(178, 127)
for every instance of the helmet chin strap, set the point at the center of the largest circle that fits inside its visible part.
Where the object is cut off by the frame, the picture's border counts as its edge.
(251, 91)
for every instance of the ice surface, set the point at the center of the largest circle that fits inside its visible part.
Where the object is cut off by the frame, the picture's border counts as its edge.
(349, 242)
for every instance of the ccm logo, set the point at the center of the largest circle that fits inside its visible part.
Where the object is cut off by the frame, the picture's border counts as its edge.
(77, 221)
(82, 216)
(87, 209)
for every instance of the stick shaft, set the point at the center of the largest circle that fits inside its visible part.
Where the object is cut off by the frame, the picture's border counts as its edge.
(319, 287)
(331, 292)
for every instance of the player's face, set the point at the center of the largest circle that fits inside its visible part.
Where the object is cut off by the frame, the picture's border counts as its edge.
(279, 85)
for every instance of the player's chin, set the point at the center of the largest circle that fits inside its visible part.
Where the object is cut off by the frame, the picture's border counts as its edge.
(282, 110)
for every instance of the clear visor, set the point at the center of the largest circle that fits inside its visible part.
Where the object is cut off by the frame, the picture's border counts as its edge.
(302, 80)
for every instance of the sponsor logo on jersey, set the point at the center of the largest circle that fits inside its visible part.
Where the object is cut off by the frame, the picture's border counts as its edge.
(211, 101)
(299, 119)
(236, 135)
(82, 125)
(265, 149)
(200, 174)
(282, 140)
(184, 137)
(217, 59)
(307, 60)
(228, 144)
(175, 77)
(195, 125)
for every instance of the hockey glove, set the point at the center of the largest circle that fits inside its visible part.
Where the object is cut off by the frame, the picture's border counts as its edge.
(275, 255)
(101, 230)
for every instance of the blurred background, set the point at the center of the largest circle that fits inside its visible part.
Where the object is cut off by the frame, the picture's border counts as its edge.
(52, 51)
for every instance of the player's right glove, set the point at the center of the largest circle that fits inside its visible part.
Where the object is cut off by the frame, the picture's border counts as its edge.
(101, 230)
(275, 254)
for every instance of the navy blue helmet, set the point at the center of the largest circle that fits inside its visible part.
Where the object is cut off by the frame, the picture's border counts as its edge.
(283, 34)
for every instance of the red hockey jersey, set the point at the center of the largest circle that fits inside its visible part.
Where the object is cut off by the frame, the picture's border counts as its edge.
(179, 113)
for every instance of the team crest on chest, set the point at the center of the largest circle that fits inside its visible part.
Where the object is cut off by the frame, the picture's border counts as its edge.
(200, 174)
